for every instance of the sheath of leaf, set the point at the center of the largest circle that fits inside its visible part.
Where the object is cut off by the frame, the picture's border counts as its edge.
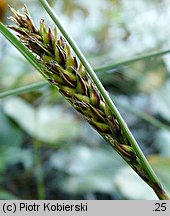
(64, 71)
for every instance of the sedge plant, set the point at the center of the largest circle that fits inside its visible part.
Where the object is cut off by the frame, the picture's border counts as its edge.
(78, 83)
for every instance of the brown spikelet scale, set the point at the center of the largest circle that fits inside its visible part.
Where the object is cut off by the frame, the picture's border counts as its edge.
(65, 72)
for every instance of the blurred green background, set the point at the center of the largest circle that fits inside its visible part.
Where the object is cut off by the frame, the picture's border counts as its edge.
(47, 150)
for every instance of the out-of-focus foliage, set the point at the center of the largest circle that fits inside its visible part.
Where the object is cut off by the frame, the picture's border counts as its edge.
(47, 151)
(3, 8)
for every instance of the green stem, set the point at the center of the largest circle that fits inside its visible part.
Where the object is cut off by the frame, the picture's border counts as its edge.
(105, 94)
(35, 86)
(39, 171)
(23, 89)
(132, 60)
(147, 118)
(34, 62)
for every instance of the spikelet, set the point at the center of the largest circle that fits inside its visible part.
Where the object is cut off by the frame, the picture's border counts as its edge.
(66, 73)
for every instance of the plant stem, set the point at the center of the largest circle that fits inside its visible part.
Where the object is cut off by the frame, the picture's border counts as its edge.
(105, 95)
(132, 60)
(136, 148)
(39, 171)
(147, 118)
(23, 89)
(35, 86)
(33, 60)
